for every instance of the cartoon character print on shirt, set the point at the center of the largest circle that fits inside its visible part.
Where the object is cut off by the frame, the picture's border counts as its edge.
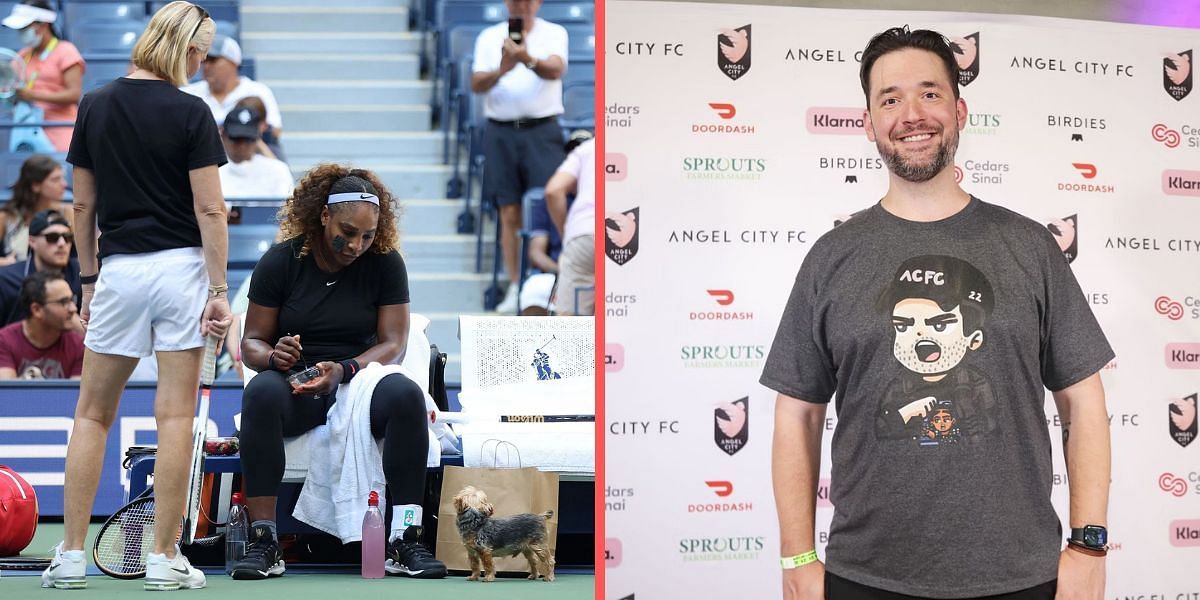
(937, 307)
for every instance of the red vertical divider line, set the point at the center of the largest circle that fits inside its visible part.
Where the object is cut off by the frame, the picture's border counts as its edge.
(599, 297)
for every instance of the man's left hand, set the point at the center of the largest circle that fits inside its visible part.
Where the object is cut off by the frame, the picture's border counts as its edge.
(1080, 576)
(518, 52)
(326, 383)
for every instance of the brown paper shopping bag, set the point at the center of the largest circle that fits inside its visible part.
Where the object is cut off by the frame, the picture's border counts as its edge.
(511, 491)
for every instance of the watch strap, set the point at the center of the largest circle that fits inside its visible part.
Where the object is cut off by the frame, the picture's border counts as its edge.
(1079, 547)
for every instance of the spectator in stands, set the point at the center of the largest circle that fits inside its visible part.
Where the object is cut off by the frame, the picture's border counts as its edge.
(337, 281)
(43, 345)
(522, 142)
(269, 145)
(53, 68)
(543, 251)
(146, 157)
(222, 87)
(576, 293)
(50, 240)
(40, 186)
(249, 174)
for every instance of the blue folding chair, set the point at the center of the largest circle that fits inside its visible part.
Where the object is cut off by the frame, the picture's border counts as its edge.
(103, 68)
(80, 14)
(581, 42)
(579, 107)
(115, 36)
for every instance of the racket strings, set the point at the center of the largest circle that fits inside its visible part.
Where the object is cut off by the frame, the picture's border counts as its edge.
(122, 544)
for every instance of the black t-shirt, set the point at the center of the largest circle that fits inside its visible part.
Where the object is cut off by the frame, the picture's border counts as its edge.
(335, 314)
(140, 138)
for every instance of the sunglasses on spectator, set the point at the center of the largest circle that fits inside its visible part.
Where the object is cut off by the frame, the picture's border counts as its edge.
(203, 16)
(54, 237)
(63, 302)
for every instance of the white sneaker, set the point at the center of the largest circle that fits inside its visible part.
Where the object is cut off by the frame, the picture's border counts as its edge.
(508, 306)
(163, 574)
(67, 570)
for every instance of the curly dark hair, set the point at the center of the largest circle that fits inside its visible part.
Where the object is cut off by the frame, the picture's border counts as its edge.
(301, 214)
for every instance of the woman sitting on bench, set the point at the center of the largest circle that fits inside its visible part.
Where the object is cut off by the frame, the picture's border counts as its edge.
(334, 296)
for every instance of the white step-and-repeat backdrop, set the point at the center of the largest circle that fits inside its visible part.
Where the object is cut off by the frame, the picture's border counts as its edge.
(735, 141)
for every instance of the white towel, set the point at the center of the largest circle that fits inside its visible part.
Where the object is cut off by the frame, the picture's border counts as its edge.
(349, 465)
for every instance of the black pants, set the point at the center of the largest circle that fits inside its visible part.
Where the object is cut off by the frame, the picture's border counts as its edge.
(270, 413)
(837, 588)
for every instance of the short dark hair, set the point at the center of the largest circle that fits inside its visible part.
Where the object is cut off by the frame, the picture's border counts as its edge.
(33, 289)
(899, 38)
(960, 284)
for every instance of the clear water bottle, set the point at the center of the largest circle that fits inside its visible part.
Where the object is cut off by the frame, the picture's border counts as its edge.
(372, 540)
(236, 532)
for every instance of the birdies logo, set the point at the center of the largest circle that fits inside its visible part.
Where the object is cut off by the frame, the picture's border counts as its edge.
(733, 52)
(1177, 74)
(1182, 419)
(621, 235)
(731, 425)
(966, 54)
(1066, 233)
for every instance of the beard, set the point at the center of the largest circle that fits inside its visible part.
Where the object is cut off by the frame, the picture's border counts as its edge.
(915, 172)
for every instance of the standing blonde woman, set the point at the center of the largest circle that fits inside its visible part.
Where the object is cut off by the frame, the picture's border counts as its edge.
(146, 158)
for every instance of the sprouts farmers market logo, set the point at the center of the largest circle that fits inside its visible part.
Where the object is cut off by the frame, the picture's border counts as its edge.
(982, 124)
(724, 168)
(1177, 74)
(1181, 183)
(722, 356)
(741, 547)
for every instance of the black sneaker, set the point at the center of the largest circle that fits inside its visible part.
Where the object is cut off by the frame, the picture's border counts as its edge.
(406, 556)
(263, 557)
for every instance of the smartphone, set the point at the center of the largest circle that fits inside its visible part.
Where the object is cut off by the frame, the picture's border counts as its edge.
(516, 29)
(305, 376)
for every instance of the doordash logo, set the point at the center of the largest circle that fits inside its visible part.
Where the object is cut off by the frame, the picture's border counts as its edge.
(725, 112)
(1088, 172)
(720, 488)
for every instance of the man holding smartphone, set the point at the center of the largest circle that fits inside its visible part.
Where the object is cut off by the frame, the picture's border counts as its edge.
(519, 66)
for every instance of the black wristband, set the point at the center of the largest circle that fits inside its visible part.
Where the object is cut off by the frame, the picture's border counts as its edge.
(271, 361)
(350, 368)
(89, 279)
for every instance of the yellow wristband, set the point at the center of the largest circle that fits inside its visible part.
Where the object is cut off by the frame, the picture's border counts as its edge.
(799, 560)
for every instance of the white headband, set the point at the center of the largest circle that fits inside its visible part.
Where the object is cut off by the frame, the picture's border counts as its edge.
(23, 15)
(353, 197)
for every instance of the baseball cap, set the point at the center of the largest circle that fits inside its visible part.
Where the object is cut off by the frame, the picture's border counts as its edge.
(23, 16)
(225, 47)
(44, 219)
(242, 124)
(576, 138)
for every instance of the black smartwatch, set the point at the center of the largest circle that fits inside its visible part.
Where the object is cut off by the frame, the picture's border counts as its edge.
(1092, 537)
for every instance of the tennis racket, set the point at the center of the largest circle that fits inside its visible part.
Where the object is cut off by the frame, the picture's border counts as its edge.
(199, 433)
(128, 535)
(12, 73)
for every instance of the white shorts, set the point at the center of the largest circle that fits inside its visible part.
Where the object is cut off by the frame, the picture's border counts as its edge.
(150, 302)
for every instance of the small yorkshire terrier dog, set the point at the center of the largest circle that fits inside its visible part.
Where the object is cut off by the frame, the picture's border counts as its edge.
(486, 537)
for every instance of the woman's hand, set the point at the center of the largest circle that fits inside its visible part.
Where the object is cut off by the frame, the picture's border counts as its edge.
(326, 383)
(24, 93)
(85, 306)
(287, 352)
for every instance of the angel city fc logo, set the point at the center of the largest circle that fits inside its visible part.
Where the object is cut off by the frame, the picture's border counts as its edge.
(966, 54)
(621, 235)
(1182, 414)
(731, 425)
(1066, 233)
(733, 51)
(1177, 74)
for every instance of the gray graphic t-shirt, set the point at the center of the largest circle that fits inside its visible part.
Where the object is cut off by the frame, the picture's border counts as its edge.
(938, 340)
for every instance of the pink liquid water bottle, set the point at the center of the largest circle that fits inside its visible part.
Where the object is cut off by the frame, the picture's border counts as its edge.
(372, 540)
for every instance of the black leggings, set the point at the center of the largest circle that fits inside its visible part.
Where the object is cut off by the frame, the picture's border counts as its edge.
(270, 413)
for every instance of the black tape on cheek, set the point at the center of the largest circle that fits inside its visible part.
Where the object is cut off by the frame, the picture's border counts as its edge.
(339, 243)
